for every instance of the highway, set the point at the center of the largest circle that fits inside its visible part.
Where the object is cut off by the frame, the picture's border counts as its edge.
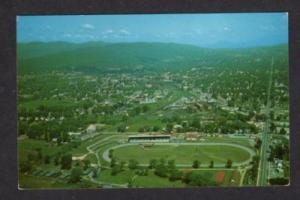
(262, 178)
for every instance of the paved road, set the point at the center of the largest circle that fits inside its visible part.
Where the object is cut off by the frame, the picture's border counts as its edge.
(235, 164)
(262, 178)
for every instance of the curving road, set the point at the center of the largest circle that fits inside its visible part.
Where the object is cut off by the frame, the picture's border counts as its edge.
(235, 164)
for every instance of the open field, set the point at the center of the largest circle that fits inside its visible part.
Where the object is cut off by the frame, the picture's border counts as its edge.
(42, 182)
(153, 181)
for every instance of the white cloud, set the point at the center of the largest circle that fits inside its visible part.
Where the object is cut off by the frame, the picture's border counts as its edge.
(88, 26)
(269, 28)
(48, 27)
(171, 35)
(226, 28)
(68, 35)
(108, 32)
(124, 32)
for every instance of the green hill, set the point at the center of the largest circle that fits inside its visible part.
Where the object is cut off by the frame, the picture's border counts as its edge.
(101, 56)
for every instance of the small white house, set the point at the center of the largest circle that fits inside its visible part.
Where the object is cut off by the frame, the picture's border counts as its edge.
(91, 128)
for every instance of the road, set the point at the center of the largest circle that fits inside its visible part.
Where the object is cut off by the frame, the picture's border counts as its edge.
(262, 178)
(91, 150)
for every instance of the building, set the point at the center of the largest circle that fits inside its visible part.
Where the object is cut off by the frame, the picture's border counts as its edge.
(191, 136)
(148, 138)
(91, 129)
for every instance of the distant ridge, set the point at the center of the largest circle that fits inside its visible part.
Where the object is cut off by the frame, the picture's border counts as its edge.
(40, 56)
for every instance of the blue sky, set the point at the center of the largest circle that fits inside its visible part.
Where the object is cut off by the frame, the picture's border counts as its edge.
(205, 30)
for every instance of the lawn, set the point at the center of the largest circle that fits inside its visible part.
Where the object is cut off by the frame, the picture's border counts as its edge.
(182, 154)
(28, 145)
(34, 182)
(153, 181)
(121, 178)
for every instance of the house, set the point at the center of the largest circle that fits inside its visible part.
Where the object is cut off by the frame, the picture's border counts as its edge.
(91, 129)
(191, 136)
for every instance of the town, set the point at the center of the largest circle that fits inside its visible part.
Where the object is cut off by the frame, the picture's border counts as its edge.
(121, 128)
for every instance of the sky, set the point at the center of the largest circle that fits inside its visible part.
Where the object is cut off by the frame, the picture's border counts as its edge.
(224, 30)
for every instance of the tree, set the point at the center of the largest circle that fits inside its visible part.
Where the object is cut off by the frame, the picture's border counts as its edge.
(39, 154)
(155, 128)
(65, 137)
(115, 170)
(145, 108)
(272, 127)
(32, 156)
(121, 128)
(137, 110)
(282, 131)
(129, 185)
(23, 128)
(258, 143)
(196, 124)
(152, 163)
(254, 169)
(113, 162)
(253, 129)
(66, 161)
(122, 164)
(110, 153)
(161, 169)
(47, 159)
(56, 160)
(171, 165)
(169, 128)
(133, 164)
(95, 173)
(175, 175)
(279, 181)
(25, 166)
(196, 164)
(228, 163)
(35, 130)
(86, 164)
(195, 178)
(75, 176)
(211, 165)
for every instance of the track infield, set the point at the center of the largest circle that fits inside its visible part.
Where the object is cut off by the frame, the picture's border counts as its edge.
(184, 154)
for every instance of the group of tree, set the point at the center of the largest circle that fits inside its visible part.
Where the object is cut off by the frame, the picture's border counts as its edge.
(224, 124)
(147, 128)
(116, 166)
(228, 163)
(258, 143)
(254, 168)
(76, 175)
(162, 168)
(195, 178)
(279, 151)
(34, 157)
(279, 181)
(196, 164)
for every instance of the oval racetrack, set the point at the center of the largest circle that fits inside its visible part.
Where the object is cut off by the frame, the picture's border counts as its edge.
(184, 153)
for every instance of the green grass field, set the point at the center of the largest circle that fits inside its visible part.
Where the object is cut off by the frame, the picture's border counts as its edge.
(28, 145)
(153, 181)
(182, 154)
(42, 182)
